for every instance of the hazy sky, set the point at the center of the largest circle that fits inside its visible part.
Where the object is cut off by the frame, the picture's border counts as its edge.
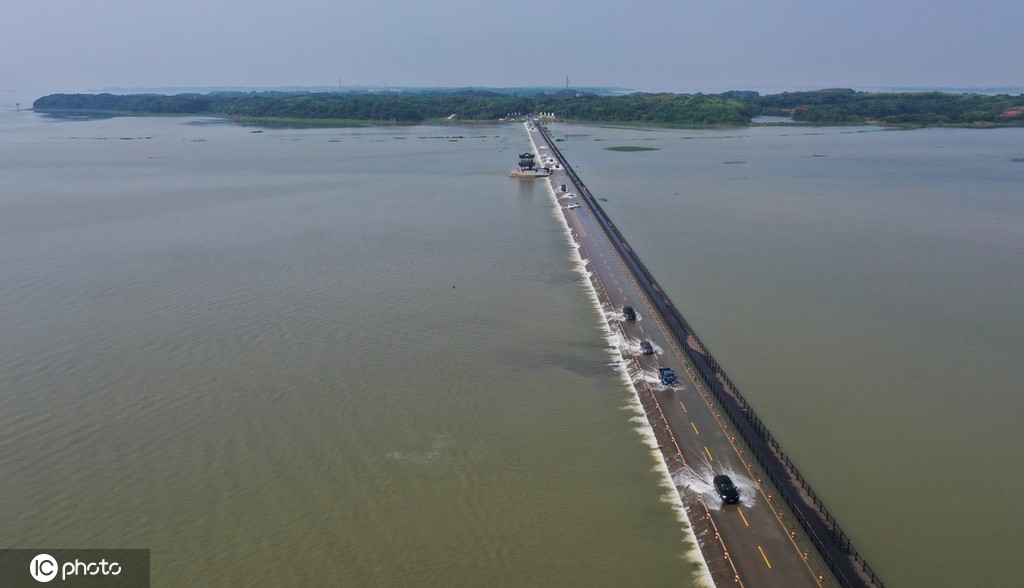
(652, 45)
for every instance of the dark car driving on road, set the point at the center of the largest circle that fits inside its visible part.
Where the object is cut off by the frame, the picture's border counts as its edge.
(726, 489)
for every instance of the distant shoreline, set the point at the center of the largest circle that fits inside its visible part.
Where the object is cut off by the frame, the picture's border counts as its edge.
(730, 109)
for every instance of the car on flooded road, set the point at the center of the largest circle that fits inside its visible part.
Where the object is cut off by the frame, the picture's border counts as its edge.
(726, 490)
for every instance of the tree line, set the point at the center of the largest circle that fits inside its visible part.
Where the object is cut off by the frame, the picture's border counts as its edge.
(835, 106)
(897, 108)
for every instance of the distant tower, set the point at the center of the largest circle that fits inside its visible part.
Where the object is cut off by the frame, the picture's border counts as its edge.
(566, 82)
(526, 162)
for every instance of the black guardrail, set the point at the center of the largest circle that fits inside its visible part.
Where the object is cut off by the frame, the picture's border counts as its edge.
(832, 543)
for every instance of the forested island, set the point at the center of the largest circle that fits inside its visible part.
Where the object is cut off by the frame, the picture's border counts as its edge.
(736, 108)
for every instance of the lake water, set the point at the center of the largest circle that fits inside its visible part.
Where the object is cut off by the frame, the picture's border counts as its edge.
(364, 356)
(352, 357)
